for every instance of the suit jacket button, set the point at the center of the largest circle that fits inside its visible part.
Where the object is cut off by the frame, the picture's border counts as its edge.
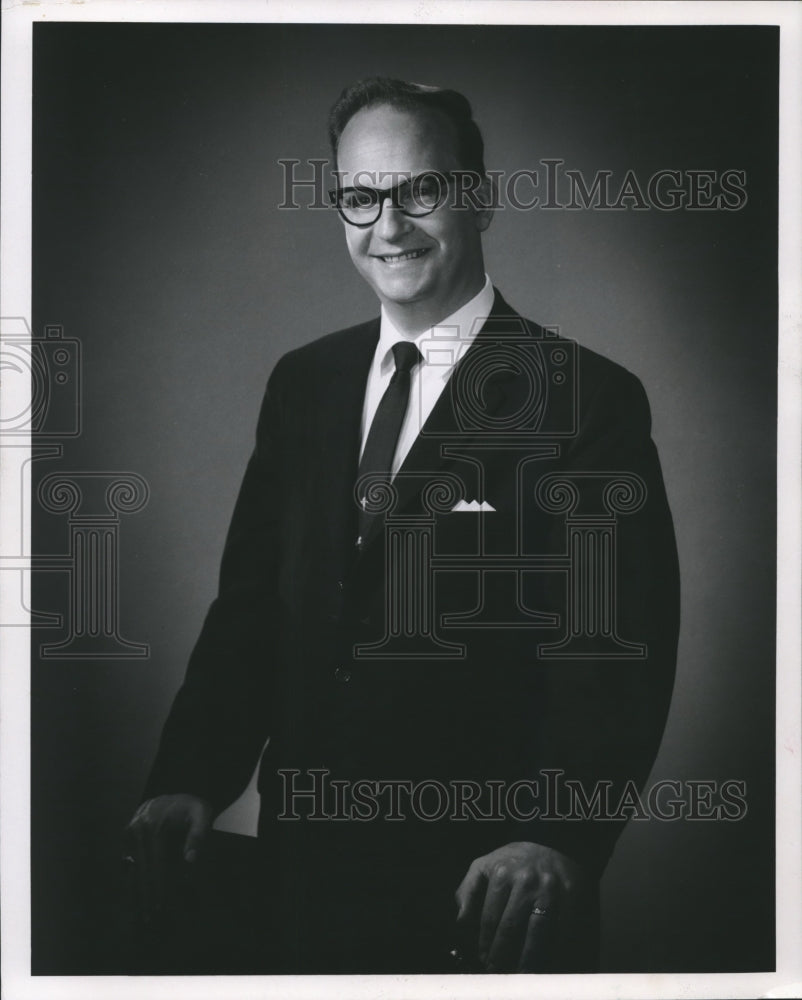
(343, 674)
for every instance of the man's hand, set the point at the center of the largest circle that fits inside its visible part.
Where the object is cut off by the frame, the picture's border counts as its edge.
(512, 904)
(165, 834)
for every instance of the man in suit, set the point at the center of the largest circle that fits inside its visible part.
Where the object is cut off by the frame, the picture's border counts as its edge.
(451, 571)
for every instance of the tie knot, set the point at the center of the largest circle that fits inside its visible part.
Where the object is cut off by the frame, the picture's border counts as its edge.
(406, 356)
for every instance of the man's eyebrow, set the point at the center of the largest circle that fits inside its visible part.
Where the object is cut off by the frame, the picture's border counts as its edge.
(400, 177)
(379, 176)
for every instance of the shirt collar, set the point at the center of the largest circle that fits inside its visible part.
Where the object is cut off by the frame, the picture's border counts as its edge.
(437, 343)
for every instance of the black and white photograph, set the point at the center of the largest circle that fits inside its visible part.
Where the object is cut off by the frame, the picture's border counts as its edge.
(401, 531)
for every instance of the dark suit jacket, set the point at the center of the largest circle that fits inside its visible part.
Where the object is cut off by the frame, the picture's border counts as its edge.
(547, 674)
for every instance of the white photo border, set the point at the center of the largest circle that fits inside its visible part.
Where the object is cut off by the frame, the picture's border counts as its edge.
(15, 301)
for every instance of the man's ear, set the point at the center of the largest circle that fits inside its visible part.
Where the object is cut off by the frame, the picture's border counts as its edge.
(485, 203)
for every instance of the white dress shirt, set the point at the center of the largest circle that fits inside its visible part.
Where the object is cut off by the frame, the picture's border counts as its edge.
(441, 347)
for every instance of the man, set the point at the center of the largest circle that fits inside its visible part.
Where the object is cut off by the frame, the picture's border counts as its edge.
(451, 567)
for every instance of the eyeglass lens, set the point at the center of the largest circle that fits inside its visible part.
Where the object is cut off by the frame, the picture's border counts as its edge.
(420, 196)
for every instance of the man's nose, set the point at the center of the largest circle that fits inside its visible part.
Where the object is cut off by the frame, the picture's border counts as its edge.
(392, 223)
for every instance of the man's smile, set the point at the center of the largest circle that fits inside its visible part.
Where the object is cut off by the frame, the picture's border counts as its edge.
(403, 257)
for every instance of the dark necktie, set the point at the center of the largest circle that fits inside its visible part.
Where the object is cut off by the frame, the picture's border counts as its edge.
(377, 457)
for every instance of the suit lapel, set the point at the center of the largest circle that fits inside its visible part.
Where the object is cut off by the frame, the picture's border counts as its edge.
(457, 415)
(337, 436)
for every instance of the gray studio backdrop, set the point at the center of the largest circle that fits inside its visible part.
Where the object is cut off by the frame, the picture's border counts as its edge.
(159, 246)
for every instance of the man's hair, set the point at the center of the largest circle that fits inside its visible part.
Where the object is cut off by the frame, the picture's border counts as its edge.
(416, 98)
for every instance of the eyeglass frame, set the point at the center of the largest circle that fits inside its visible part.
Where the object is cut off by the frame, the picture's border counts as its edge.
(444, 177)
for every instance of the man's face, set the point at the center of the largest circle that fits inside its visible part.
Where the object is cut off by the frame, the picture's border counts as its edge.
(432, 261)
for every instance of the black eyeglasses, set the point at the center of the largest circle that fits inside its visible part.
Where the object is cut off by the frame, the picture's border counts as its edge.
(416, 196)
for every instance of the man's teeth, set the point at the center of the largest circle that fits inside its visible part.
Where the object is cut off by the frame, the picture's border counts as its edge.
(393, 258)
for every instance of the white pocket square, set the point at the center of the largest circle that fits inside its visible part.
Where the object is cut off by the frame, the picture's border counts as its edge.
(473, 505)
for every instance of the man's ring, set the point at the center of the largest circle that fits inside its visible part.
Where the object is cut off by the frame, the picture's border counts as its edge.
(538, 911)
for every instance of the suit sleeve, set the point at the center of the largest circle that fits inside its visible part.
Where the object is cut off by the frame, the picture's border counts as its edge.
(603, 719)
(220, 718)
